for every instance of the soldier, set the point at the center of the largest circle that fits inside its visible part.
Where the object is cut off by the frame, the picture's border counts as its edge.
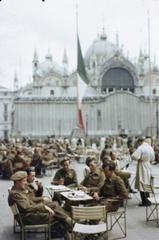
(30, 211)
(113, 191)
(33, 192)
(94, 180)
(66, 175)
(125, 175)
(144, 155)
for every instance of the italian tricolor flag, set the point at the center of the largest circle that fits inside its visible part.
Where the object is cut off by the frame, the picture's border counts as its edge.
(82, 83)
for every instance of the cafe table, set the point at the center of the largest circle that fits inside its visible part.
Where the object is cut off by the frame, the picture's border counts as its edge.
(76, 196)
(56, 188)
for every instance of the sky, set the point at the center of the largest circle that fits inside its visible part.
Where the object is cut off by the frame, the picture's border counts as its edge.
(26, 25)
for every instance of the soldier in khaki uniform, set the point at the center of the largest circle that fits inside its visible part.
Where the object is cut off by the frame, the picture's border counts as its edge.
(94, 180)
(31, 212)
(34, 193)
(113, 191)
(66, 175)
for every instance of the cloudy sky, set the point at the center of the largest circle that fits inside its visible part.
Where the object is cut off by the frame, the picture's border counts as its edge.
(29, 24)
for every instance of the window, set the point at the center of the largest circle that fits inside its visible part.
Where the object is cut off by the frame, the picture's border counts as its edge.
(51, 92)
(5, 107)
(6, 134)
(110, 89)
(99, 113)
(5, 112)
(154, 91)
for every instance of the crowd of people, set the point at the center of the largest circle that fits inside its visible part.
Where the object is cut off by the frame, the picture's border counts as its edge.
(104, 176)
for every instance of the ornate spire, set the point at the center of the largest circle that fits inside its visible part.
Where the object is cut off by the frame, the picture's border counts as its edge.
(65, 63)
(117, 40)
(103, 35)
(48, 55)
(35, 58)
(16, 84)
(65, 58)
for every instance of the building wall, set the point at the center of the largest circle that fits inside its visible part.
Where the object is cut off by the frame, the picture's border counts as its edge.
(5, 114)
(111, 114)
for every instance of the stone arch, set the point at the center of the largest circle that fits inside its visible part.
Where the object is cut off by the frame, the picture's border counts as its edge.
(117, 78)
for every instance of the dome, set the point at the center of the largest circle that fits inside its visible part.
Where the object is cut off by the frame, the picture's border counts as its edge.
(48, 66)
(100, 48)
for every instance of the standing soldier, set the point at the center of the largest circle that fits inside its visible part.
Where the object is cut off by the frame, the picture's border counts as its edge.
(144, 155)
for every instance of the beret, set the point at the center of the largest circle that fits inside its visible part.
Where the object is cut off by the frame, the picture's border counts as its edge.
(19, 175)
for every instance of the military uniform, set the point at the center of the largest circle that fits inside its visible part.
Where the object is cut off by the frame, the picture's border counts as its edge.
(93, 181)
(70, 177)
(35, 212)
(35, 194)
(113, 192)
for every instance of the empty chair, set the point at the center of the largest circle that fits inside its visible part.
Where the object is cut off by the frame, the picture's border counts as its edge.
(89, 220)
(152, 209)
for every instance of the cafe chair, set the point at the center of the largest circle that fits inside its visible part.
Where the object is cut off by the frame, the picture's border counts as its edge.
(116, 220)
(30, 228)
(152, 209)
(89, 221)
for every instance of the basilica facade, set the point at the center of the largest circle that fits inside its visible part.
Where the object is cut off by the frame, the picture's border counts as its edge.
(121, 97)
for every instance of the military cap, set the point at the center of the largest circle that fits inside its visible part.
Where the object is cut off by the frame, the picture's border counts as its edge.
(19, 175)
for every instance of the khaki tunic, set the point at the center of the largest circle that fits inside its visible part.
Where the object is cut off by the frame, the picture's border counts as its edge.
(94, 180)
(70, 177)
(113, 192)
(34, 212)
(34, 193)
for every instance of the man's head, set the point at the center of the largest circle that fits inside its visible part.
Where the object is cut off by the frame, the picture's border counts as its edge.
(30, 174)
(140, 140)
(65, 163)
(113, 156)
(91, 163)
(109, 168)
(20, 179)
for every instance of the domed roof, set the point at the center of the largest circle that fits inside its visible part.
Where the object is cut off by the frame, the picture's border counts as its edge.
(49, 65)
(101, 47)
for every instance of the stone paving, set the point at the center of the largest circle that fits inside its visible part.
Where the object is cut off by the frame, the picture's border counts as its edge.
(137, 228)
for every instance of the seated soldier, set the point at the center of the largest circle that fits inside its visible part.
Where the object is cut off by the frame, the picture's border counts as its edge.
(94, 179)
(65, 175)
(31, 212)
(125, 175)
(33, 192)
(113, 191)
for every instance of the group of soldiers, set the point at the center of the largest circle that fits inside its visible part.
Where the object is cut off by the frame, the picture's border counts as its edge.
(104, 180)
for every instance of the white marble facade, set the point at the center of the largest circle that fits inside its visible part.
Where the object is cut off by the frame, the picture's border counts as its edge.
(119, 97)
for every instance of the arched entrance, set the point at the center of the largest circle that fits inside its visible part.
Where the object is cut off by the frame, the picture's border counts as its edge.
(117, 78)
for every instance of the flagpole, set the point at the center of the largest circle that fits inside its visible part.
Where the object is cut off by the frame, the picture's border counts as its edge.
(150, 78)
(77, 63)
(79, 109)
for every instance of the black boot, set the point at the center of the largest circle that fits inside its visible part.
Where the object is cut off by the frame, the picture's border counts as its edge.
(145, 201)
